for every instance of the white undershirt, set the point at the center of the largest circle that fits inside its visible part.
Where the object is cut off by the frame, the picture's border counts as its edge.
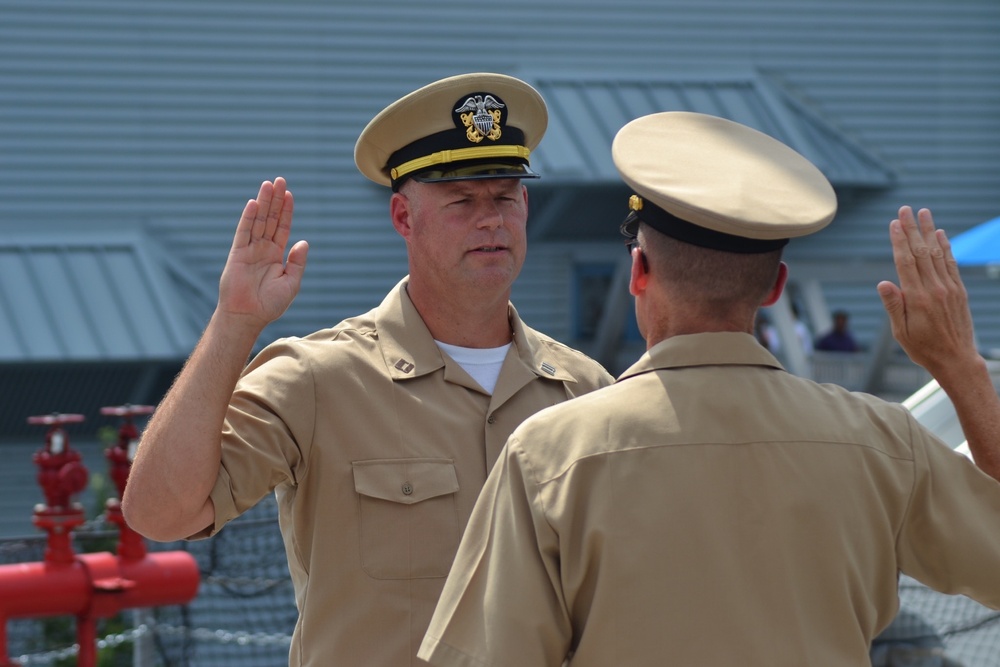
(483, 364)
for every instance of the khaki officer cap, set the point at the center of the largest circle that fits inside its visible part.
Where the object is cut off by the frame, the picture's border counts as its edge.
(719, 184)
(464, 127)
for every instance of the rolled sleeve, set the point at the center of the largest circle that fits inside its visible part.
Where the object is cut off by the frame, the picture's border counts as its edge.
(268, 428)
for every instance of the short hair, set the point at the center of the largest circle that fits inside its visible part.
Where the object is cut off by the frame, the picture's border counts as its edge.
(715, 278)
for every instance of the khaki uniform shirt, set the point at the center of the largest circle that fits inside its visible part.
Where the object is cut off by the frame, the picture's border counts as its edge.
(712, 509)
(377, 445)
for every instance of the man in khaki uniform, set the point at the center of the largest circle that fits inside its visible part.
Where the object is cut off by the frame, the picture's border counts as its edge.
(376, 435)
(710, 508)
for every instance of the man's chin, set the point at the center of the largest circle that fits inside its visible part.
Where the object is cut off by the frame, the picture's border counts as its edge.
(493, 279)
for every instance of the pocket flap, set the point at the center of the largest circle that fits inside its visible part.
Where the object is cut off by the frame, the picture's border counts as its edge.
(405, 481)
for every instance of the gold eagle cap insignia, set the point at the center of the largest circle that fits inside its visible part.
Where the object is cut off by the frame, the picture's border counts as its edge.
(481, 115)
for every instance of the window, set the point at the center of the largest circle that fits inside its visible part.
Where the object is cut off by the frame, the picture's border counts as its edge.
(591, 282)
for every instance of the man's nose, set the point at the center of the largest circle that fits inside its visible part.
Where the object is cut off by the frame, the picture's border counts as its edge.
(490, 216)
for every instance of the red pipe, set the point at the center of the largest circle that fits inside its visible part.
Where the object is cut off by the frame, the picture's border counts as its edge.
(95, 585)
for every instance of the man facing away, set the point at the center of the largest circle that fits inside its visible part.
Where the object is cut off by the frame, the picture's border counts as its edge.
(376, 435)
(710, 508)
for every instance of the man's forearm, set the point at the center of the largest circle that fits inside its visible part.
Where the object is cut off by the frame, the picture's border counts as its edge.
(977, 405)
(175, 468)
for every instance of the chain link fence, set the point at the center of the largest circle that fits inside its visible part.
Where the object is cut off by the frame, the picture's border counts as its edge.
(243, 615)
(245, 611)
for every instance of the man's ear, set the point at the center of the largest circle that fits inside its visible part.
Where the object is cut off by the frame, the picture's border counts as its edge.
(639, 276)
(399, 212)
(778, 287)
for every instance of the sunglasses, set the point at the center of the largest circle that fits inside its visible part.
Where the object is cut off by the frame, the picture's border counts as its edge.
(630, 230)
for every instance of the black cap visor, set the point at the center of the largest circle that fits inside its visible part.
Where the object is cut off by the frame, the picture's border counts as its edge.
(473, 172)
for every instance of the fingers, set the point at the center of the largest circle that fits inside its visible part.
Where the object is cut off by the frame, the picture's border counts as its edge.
(268, 217)
(913, 250)
(283, 224)
(902, 250)
(296, 264)
(245, 225)
(263, 207)
(929, 309)
(950, 263)
(892, 301)
(935, 265)
(919, 254)
(930, 237)
(277, 205)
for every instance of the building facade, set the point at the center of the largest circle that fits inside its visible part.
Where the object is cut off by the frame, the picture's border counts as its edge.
(132, 133)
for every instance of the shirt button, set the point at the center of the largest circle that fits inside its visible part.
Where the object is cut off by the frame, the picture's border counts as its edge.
(407, 488)
(491, 419)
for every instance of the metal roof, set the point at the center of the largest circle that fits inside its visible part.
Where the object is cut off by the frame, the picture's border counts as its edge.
(586, 111)
(95, 297)
(581, 190)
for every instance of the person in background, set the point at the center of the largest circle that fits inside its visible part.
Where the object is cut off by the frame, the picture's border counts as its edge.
(710, 508)
(377, 434)
(839, 338)
(805, 338)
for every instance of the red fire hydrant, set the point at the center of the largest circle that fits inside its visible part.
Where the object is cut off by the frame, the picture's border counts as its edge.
(96, 585)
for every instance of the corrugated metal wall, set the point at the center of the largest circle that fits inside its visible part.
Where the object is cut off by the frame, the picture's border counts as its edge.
(167, 114)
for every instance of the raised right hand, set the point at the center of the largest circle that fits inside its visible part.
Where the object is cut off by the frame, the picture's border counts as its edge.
(929, 310)
(257, 283)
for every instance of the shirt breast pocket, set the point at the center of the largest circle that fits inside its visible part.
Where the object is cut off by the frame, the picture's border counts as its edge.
(408, 517)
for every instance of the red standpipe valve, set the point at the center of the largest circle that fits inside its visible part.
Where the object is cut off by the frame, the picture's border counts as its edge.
(130, 544)
(61, 474)
(92, 585)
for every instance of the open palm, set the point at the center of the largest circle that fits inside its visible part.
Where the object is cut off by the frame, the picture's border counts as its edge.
(257, 282)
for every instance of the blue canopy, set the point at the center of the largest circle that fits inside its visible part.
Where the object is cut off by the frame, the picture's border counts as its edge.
(978, 246)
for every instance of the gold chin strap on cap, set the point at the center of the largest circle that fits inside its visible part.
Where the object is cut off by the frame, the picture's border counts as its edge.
(458, 154)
